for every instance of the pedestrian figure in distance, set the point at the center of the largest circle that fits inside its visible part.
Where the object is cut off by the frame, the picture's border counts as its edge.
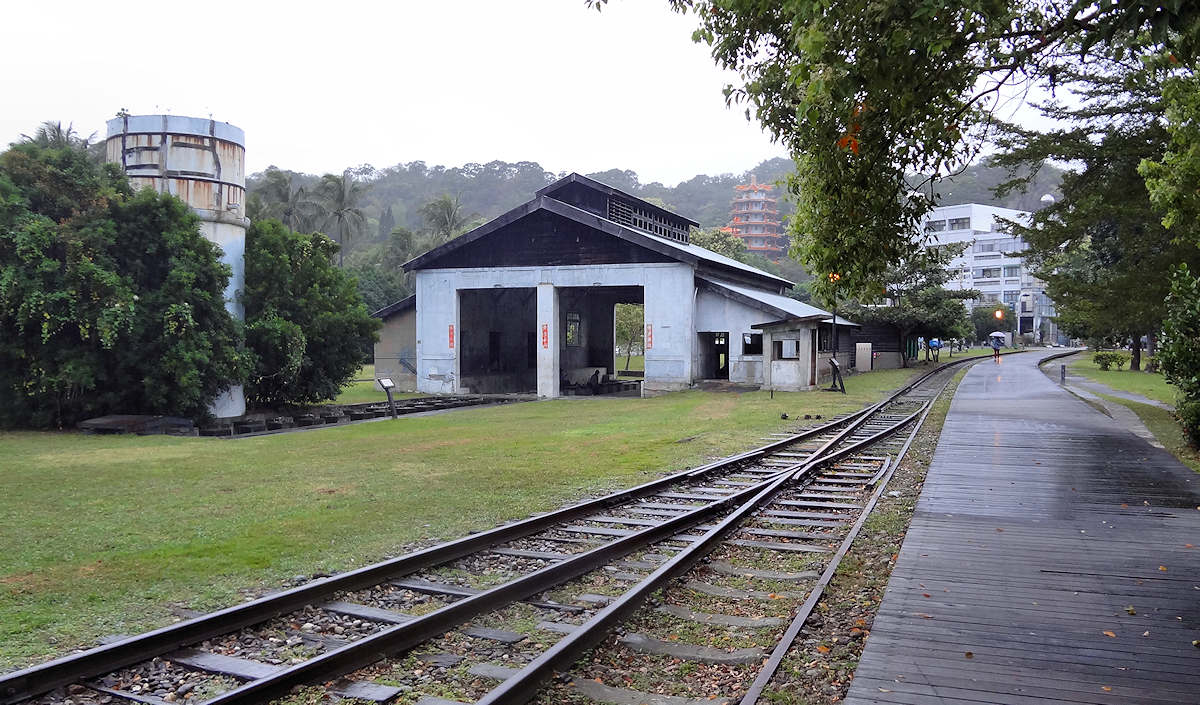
(996, 348)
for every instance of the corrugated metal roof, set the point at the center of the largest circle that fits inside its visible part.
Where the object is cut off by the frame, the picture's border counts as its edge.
(776, 304)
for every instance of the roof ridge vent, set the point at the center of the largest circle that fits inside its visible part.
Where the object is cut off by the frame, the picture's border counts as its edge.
(631, 214)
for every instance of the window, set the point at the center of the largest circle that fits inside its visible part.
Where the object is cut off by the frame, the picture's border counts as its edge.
(752, 343)
(574, 334)
(989, 298)
(1012, 271)
(987, 272)
(1010, 297)
(935, 226)
(824, 338)
(786, 349)
(960, 223)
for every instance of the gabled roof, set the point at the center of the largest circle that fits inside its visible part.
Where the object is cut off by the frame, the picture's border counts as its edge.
(683, 252)
(574, 178)
(394, 308)
(778, 305)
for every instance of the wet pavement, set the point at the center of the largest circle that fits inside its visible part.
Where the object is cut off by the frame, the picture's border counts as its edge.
(1052, 558)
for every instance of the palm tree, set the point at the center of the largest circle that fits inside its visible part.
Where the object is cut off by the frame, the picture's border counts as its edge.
(285, 200)
(52, 134)
(339, 206)
(444, 217)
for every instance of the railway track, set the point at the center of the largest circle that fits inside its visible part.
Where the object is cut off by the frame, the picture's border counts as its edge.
(492, 616)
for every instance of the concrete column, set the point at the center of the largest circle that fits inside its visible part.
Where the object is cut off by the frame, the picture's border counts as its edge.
(547, 340)
(768, 350)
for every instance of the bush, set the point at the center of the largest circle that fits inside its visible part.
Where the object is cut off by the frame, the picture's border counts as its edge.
(1180, 351)
(110, 301)
(1106, 359)
(306, 324)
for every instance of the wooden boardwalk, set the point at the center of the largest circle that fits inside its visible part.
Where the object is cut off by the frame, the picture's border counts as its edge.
(1050, 560)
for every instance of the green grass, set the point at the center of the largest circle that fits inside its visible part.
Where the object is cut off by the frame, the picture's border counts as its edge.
(1165, 428)
(636, 363)
(366, 372)
(1150, 385)
(101, 534)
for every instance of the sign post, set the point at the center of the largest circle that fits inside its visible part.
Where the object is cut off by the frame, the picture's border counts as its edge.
(388, 385)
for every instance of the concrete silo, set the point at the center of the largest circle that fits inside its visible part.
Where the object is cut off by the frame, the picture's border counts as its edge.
(202, 162)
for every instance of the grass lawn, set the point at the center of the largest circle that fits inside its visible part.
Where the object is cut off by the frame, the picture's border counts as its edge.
(636, 363)
(1151, 386)
(1165, 428)
(103, 534)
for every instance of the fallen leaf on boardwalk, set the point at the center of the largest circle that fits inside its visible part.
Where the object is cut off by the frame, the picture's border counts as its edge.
(1188, 545)
(1124, 505)
(1196, 643)
(1130, 610)
(1146, 633)
(999, 529)
(884, 690)
(1109, 633)
(922, 615)
(823, 649)
(1106, 688)
(925, 594)
(1163, 568)
(970, 654)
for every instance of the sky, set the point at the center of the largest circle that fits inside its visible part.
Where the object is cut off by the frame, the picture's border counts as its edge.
(319, 87)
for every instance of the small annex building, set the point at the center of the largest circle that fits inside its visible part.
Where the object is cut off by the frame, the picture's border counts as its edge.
(396, 350)
(525, 302)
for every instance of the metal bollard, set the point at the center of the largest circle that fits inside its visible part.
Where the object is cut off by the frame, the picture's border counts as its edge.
(1062, 374)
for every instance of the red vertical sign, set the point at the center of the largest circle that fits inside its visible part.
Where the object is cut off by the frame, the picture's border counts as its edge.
(545, 336)
(649, 336)
(451, 336)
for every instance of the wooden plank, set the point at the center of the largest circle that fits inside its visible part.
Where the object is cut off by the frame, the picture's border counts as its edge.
(1039, 523)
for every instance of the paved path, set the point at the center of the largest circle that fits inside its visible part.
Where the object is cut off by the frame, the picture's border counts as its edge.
(1048, 561)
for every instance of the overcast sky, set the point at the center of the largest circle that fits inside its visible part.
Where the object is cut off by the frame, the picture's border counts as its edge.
(321, 86)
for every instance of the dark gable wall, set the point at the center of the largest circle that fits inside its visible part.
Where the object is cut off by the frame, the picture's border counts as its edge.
(545, 239)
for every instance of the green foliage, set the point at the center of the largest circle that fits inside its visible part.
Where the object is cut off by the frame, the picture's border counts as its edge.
(110, 301)
(723, 243)
(868, 91)
(1107, 359)
(379, 269)
(1101, 248)
(1180, 351)
(1172, 181)
(984, 321)
(629, 319)
(445, 219)
(294, 297)
(919, 305)
(337, 204)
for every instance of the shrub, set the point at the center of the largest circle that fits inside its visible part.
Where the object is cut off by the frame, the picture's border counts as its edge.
(1180, 351)
(1106, 359)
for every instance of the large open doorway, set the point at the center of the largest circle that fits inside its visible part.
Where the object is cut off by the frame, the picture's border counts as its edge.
(589, 325)
(496, 340)
(714, 355)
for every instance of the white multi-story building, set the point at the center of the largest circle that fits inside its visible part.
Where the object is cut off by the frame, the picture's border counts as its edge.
(992, 263)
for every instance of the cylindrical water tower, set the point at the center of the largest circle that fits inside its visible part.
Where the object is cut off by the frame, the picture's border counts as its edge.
(202, 162)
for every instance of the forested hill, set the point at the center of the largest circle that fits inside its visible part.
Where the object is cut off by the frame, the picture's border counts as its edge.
(487, 190)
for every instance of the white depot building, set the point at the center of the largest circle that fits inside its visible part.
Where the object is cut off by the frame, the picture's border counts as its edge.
(992, 263)
(525, 303)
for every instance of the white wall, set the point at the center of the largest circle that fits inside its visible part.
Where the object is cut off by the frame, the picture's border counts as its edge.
(668, 290)
(716, 313)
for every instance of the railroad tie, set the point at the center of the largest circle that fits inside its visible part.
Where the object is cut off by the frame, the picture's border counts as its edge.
(692, 652)
(624, 696)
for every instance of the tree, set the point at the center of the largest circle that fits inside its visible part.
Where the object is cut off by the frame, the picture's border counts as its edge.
(286, 199)
(387, 223)
(984, 321)
(338, 203)
(379, 269)
(1180, 353)
(444, 218)
(719, 240)
(918, 303)
(629, 324)
(295, 297)
(110, 301)
(1101, 247)
(870, 91)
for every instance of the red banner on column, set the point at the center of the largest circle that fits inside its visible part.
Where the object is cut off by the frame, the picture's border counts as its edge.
(649, 336)
(451, 336)
(545, 336)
